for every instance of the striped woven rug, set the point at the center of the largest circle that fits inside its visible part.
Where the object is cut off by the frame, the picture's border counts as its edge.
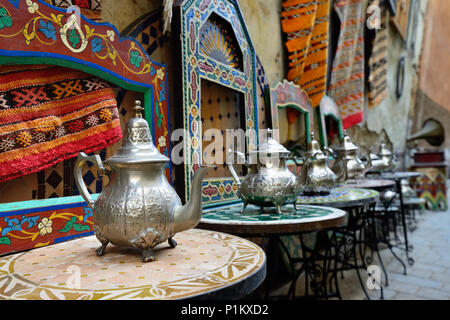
(305, 23)
(49, 114)
(347, 76)
(378, 63)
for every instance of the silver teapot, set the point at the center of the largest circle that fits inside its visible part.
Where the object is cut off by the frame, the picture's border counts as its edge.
(269, 182)
(348, 160)
(139, 208)
(383, 160)
(316, 177)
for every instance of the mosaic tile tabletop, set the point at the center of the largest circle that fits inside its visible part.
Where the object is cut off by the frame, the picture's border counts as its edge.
(377, 184)
(342, 197)
(203, 262)
(230, 219)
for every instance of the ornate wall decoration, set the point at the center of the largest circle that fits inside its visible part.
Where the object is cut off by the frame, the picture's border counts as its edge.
(289, 95)
(198, 22)
(32, 30)
(329, 111)
(34, 224)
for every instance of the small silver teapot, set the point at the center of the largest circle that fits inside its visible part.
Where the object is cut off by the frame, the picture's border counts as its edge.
(384, 160)
(316, 177)
(139, 208)
(267, 184)
(348, 159)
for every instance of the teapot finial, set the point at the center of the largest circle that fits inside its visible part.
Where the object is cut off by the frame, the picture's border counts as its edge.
(138, 109)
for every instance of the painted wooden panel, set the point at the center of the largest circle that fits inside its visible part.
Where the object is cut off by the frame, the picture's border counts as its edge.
(32, 224)
(287, 95)
(431, 186)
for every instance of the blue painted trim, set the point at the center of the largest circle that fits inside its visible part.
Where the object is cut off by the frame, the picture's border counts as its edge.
(31, 206)
(75, 236)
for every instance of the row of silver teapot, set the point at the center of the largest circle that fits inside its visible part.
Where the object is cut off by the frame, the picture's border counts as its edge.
(270, 183)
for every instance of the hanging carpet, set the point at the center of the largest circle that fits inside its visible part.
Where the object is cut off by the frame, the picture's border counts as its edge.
(305, 23)
(378, 63)
(347, 76)
(49, 114)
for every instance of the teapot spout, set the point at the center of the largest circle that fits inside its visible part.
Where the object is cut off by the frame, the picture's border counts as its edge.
(188, 216)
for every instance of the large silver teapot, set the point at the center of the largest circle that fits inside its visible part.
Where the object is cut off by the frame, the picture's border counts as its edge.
(269, 183)
(316, 177)
(348, 159)
(139, 208)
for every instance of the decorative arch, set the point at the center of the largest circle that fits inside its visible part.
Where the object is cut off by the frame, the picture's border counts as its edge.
(196, 65)
(286, 94)
(328, 110)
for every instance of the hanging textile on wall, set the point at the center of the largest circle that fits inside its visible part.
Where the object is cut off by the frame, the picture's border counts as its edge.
(49, 114)
(306, 24)
(378, 63)
(347, 76)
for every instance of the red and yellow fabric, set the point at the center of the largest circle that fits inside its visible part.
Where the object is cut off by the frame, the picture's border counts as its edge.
(378, 62)
(305, 23)
(347, 76)
(49, 114)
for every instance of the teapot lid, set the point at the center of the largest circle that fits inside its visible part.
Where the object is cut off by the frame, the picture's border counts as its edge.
(271, 146)
(346, 144)
(314, 149)
(384, 151)
(137, 146)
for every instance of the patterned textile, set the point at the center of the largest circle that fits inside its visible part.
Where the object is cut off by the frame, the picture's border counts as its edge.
(347, 76)
(378, 64)
(49, 114)
(306, 24)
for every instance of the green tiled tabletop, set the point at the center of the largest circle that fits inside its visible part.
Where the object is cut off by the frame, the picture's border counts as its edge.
(342, 198)
(307, 218)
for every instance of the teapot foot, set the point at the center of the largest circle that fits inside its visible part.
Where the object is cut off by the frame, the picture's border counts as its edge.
(100, 251)
(148, 255)
(172, 243)
(278, 209)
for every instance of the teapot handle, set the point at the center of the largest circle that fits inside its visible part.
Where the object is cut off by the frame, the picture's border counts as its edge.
(82, 158)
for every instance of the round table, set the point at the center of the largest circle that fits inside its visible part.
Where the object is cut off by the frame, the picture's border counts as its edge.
(342, 198)
(204, 265)
(252, 222)
(374, 184)
(358, 203)
(300, 223)
(399, 175)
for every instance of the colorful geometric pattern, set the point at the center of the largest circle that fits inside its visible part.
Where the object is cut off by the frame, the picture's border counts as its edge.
(50, 114)
(378, 63)
(198, 66)
(338, 195)
(232, 214)
(290, 96)
(432, 187)
(33, 224)
(306, 24)
(203, 262)
(219, 43)
(347, 77)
